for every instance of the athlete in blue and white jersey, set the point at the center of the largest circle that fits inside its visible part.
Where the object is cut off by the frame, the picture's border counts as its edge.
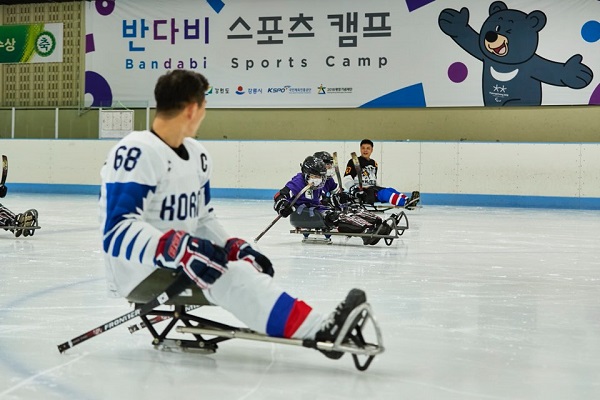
(156, 213)
(148, 189)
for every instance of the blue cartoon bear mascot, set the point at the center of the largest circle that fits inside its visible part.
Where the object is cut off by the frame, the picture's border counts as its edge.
(512, 71)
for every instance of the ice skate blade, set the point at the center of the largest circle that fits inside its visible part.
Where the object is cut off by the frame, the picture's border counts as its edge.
(310, 240)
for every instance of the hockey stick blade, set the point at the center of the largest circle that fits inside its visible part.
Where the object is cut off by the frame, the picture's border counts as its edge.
(358, 169)
(279, 216)
(177, 286)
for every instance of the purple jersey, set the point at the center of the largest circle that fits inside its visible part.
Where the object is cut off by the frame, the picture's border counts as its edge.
(310, 198)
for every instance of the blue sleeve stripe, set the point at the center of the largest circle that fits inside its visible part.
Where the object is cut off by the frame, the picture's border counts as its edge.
(143, 251)
(130, 246)
(119, 242)
(279, 315)
(107, 241)
(207, 192)
(123, 199)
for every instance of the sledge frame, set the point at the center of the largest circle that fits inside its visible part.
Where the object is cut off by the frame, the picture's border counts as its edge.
(399, 223)
(205, 335)
(23, 228)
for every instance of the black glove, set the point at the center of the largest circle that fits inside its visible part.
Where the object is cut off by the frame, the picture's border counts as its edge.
(3, 190)
(283, 207)
(239, 249)
(357, 193)
(340, 199)
(331, 218)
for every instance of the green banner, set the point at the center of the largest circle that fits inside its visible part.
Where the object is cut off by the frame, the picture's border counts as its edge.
(32, 43)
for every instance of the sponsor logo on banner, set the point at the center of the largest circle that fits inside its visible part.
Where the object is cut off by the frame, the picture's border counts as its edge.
(217, 90)
(334, 90)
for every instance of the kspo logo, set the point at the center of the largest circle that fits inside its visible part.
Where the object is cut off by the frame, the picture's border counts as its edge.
(279, 89)
(180, 207)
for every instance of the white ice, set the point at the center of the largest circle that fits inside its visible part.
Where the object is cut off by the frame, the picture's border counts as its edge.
(474, 303)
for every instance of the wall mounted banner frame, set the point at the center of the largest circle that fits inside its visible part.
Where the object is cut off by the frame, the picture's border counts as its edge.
(31, 43)
(348, 53)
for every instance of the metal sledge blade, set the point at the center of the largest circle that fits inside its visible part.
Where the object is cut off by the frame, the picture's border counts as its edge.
(346, 342)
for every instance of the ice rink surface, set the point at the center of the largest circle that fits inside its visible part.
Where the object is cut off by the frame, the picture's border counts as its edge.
(474, 303)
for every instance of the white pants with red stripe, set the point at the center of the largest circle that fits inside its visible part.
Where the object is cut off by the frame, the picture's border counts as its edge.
(255, 299)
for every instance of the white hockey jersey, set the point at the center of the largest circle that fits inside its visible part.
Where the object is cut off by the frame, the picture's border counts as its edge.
(148, 189)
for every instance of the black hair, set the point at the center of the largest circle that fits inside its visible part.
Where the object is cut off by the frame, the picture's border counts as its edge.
(366, 141)
(178, 88)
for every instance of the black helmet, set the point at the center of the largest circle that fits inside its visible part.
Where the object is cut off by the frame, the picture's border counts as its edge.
(314, 166)
(325, 156)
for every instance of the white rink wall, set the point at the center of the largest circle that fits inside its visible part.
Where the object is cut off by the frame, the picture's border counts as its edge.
(563, 175)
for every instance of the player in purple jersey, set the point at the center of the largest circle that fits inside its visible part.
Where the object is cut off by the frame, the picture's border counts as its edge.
(310, 211)
(333, 194)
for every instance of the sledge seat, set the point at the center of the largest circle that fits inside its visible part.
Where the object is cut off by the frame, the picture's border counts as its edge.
(156, 283)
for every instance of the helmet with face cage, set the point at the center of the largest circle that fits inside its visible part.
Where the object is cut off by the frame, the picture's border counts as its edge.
(327, 159)
(316, 167)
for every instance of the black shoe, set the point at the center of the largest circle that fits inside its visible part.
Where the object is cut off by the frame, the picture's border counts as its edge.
(331, 327)
(411, 203)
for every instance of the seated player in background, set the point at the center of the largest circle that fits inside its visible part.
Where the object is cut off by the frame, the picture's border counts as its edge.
(21, 220)
(310, 211)
(333, 194)
(155, 202)
(370, 191)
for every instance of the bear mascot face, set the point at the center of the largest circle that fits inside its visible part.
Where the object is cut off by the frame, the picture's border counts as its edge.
(510, 36)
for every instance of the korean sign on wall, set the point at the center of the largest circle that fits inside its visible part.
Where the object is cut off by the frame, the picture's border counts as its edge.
(32, 43)
(348, 53)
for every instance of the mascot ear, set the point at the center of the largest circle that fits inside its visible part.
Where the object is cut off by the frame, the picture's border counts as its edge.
(497, 6)
(537, 20)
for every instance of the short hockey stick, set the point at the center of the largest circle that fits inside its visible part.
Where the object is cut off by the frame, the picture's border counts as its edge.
(358, 170)
(279, 216)
(4, 170)
(177, 286)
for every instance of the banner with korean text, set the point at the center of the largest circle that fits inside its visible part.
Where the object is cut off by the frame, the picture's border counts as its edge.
(348, 53)
(31, 43)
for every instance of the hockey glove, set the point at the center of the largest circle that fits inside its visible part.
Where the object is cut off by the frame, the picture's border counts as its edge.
(357, 193)
(203, 261)
(283, 207)
(340, 199)
(239, 249)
